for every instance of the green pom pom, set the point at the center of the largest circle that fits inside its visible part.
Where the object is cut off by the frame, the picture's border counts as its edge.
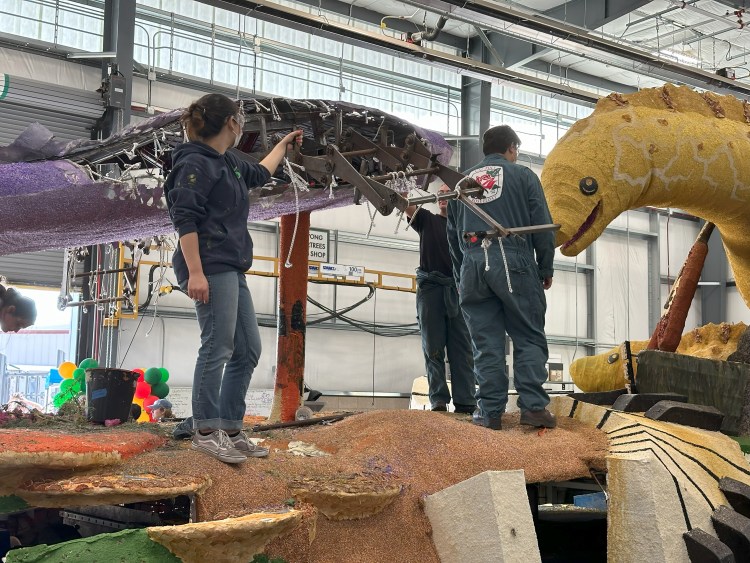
(161, 390)
(79, 374)
(66, 385)
(60, 399)
(152, 376)
(89, 363)
(164, 374)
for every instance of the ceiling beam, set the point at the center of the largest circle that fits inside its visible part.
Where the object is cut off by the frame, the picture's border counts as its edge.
(573, 75)
(570, 39)
(581, 13)
(321, 26)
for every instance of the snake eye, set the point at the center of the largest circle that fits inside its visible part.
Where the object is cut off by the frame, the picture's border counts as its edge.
(588, 185)
(613, 358)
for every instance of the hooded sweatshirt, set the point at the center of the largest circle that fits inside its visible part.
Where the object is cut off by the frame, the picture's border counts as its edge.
(207, 194)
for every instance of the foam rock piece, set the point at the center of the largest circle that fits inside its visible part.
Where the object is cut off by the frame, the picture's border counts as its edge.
(704, 548)
(700, 416)
(225, 541)
(604, 398)
(737, 493)
(485, 518)
(641, 402)
(734, 530)
(644, 520)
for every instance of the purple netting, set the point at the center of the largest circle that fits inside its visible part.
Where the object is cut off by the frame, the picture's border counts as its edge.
(54, 203)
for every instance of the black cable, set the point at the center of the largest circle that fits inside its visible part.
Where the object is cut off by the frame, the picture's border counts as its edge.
(132, 340)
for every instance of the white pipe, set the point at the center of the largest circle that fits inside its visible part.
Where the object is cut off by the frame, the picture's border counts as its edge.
(717, 17)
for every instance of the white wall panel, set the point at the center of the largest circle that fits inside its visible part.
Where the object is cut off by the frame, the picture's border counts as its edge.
(736, 309)
(676, 242)
(567, 315)
(621, 289)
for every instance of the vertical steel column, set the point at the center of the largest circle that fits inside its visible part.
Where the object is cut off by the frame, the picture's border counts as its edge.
(119, 36)
(714, 296)
(290, 349)
(654, 272)
(475, 109)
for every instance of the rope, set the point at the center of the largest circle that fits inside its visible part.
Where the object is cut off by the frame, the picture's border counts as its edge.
(299, 185)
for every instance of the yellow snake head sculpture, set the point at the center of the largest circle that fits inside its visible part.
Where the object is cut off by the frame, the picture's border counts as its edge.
(662, 147)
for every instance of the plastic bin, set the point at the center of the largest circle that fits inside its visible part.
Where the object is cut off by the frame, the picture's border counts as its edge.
(109, 393)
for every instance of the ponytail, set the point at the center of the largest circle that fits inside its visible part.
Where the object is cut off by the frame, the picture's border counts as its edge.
(205, 117)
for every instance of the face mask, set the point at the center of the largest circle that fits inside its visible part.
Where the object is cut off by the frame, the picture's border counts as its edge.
(241, 122)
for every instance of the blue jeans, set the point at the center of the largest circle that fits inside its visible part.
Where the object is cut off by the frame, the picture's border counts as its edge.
(491, 310)
(440, 331)
(229, 352)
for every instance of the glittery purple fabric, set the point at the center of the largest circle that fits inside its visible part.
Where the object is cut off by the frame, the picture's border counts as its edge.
(54, 203)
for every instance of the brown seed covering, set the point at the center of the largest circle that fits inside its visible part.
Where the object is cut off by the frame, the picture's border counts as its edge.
(422, 451)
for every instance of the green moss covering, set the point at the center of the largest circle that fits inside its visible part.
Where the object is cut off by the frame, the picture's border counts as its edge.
(744, 442)
(127, 546)
(12, 503)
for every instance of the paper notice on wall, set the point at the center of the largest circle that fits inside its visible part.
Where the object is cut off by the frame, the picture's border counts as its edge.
(258, 401)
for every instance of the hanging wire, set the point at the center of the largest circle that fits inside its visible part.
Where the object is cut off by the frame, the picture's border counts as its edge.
(374, 311)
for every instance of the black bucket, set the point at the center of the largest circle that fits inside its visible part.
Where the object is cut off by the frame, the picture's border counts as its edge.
(109, 393)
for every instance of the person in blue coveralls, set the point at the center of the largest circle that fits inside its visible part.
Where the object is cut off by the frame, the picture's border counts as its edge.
(501, 281)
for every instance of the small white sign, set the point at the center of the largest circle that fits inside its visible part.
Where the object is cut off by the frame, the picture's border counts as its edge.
(342, 270)
(318, 246)
(258, 402)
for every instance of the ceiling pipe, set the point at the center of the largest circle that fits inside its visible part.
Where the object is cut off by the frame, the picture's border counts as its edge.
(432, 34)
(322, 26)
(718, 17)
(581, 38)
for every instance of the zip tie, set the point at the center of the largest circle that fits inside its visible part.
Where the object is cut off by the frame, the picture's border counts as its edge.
(332, 185)
(398, 224)
(275, 111)
(372, 219)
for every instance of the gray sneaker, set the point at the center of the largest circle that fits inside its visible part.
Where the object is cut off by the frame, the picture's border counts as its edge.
(219, 445)
(242, 443)
(539, 419)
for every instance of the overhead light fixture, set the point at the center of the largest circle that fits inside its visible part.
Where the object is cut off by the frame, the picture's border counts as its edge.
(102, 55)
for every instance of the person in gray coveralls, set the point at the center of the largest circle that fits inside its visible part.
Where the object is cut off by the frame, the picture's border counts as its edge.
(501, 282)
(441, 323)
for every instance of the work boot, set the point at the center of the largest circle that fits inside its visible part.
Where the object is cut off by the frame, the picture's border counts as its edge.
(440, 406)
(491, 422)
(539, 419)
(463, 409)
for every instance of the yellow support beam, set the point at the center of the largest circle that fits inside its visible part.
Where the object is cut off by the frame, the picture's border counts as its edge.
(370, 277)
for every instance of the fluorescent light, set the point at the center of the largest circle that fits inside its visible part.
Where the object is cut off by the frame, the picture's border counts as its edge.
(104, 55)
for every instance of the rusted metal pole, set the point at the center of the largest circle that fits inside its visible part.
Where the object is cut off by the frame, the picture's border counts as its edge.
(290, 350)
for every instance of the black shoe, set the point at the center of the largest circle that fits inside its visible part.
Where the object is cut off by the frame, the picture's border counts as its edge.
(539, 419)
(184, 430)
(440, 406)
(491, 422)
(464, 409)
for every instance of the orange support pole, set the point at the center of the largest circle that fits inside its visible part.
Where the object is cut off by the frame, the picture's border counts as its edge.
(290, 350)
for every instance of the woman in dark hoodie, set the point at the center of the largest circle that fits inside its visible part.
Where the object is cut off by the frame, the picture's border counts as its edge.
(207, 194)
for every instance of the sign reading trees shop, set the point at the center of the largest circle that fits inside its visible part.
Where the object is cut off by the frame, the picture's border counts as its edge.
(318, 245)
